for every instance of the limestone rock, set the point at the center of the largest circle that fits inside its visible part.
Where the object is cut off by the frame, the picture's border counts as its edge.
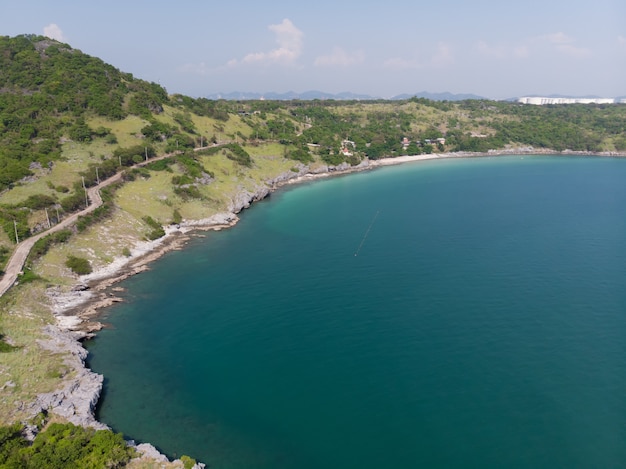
(77, 400)
(244, 198)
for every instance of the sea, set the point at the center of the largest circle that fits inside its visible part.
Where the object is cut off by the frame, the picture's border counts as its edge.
(448, 313)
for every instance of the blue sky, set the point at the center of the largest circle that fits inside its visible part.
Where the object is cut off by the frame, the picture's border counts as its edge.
(492, 48)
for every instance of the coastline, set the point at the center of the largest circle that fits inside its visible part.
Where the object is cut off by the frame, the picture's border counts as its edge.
(76, 312)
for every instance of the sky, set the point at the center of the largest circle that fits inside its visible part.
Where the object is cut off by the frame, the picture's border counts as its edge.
(491, 48)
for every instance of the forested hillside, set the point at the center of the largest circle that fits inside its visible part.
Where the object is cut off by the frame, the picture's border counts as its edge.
(46, 89)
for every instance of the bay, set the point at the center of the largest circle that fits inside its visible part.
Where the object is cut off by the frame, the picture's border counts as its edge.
(450, 313)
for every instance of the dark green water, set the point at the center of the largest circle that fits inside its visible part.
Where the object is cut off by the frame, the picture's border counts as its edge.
(482, 324)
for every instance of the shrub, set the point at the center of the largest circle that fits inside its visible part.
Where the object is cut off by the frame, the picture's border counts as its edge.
(157, 229)
(177, 218)
(38, 202)
(4, 348)
(79, 265)
(238, 154)
(181, 180)
(27, 276)
(4, 254)
(188, 463)
(188, 192)
(74, 201)
(299, 154)
(160, 165)
(42, 245)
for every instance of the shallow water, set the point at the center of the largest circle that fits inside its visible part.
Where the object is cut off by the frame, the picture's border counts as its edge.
(480, 325)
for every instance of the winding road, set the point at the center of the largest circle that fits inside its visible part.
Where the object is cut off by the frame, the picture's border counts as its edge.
(16, 262)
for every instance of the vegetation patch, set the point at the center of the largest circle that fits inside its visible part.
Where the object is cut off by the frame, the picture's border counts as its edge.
(157, 230)
(101, 213)
(4, 348)
(4, 257)
(78, 265)
(63, 445)
(42, 246)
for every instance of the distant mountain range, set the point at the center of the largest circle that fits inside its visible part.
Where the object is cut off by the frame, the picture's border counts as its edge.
(345, 96)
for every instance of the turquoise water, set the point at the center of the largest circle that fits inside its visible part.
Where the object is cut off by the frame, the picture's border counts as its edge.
(482, 324)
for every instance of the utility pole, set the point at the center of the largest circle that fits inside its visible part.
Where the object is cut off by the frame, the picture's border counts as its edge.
(85, 189)
(200, 141)
(48, 217)
(17, 238)
(120, 157)
(146, 149)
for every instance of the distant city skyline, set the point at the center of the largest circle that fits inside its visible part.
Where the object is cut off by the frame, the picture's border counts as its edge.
(486, 47)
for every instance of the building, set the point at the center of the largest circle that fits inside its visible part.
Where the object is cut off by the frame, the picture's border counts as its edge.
(540, 101)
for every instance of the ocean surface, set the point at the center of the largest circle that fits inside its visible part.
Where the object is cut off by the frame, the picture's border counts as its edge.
(452, 313)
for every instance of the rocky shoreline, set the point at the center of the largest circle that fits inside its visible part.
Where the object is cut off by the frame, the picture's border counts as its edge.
(76, 311)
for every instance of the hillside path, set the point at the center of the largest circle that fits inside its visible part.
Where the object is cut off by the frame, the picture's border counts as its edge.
(18, 258)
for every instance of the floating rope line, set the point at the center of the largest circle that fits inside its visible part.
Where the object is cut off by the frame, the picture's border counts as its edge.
(367, 232)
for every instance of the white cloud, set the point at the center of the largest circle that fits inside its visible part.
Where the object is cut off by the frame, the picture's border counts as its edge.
(565, 45)
(442, 57)
(521, 52)
(621, 40)
(54, 32)
(497, 52)
(398, 63)
(502, 52)
(195, 68)
(289, 39)
(339, 57)
(573, 51)
(555, 42)
(558, 38)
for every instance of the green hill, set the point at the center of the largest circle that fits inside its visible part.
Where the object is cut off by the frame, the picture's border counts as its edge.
(47, 89)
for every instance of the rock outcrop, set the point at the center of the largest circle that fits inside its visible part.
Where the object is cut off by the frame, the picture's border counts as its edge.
(219, 219)
(244, 198)
(77, 400)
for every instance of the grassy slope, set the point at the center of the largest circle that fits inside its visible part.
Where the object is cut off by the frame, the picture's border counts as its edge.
(28, 367)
